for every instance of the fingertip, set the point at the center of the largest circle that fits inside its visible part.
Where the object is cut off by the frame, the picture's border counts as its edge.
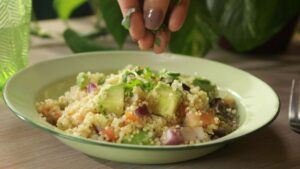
(177, 19)
(137, 28)
(178, 16)
(146, 42)
(175, 25)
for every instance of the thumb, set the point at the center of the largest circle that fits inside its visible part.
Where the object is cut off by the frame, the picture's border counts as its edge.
(154, 13)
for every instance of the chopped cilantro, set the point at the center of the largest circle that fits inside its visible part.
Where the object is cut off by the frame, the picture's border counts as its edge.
(125, 76)
(82, 80)
(157, 42)
(148, 73)
(136, 82)
(205, 85)
(147, 86)
(174, 76)
(126, 19)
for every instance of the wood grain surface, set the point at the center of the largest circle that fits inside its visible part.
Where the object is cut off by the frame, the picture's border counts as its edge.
(23, 146)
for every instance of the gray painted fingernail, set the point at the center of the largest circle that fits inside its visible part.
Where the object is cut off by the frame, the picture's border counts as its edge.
(153, 18)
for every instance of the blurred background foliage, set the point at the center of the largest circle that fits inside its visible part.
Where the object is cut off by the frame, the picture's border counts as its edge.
(44, 9)
(241, 26)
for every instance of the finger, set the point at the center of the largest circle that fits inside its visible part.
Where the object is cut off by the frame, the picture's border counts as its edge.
(161, 41)
(137, 26)
(178, 15)
(154, 13)
(147, 41)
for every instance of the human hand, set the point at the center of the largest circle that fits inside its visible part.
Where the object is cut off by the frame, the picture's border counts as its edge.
(148, 17)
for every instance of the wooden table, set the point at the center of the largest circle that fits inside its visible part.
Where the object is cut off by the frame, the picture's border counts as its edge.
(23, 146)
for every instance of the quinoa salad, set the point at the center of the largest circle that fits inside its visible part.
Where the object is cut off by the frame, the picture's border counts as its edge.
(137, 105)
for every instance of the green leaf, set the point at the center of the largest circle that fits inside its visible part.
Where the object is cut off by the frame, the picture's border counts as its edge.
(173, 76)
(198, 34)
(216, 9)
(136, 82)
(148, 73)
(79, 44)
(147, 86)
(249, 23)
(112, 16)
(64, 8)
(125, 76)
(245, 24)
(205, 85)
(133, 83)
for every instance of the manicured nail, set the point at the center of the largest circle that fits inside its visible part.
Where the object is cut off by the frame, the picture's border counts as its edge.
(153, 18)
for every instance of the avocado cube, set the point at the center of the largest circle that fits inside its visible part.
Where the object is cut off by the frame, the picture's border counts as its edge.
(164, 101)
(141, 138)
(111, 100)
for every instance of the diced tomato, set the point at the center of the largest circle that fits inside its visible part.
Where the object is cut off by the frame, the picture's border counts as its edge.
(122, 124)
(131, 117)
(58, 114)
(109, 133)
(45, 110)
(80, 117)
(207, 119)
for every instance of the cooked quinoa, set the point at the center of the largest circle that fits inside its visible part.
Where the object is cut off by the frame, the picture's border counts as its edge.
(140, 106)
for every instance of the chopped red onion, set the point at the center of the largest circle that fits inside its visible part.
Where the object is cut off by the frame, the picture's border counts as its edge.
(91, 87)
(186, 87)
(142, 111)
(98, 129)
(172, 137)
(220, 132)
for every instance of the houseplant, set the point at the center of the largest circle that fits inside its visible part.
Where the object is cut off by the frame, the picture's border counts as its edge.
(242, 25)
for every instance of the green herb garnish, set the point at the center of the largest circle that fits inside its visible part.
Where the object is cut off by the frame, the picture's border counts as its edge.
(174, 76)
(169, 77)
(148, 73)
(157, 42)
(82, 80)
(136, 82)
(139, 71)
(126, 20)
(133, 83)
(147, 86)
(125, 76)
(205, 85)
